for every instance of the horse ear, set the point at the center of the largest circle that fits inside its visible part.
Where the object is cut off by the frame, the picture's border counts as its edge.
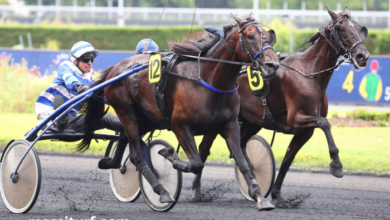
(363, 33)
(332, 13)
(347, 12)
(272, 38)
(252, 16)
(238, 20)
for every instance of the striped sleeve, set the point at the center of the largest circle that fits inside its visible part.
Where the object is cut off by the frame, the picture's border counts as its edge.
(66, 74)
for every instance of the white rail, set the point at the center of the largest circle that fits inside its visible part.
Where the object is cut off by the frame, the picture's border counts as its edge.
(179, 15)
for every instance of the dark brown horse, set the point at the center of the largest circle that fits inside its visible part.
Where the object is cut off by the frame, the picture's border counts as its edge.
(298, 102)
(194, 109)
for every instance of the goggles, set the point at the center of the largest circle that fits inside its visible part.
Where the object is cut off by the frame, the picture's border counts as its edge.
(86, 59)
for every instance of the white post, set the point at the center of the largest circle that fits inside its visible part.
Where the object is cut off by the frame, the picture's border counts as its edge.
(92, 9)
(21, 41)
(74, 9)
(3, 17)
(256, 8)
(269, 8)
(145, 15)
(365, 9)
(39, 12)
(338, 7)
(29, 40)
(121, 19)
(110, 9)
(388, 17)
(285, 5)
(290, 18)
(320, 8)
(303, 8)
(58, 3)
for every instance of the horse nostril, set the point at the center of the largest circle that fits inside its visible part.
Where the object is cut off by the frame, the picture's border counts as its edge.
(360, 56)
(272, 66)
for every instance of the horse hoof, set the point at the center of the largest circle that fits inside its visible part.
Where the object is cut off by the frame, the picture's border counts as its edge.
(265, 205)
(281, 204)
(107, 163)
(197, 196)
(166, 198)
(168, 153)
(337, 172)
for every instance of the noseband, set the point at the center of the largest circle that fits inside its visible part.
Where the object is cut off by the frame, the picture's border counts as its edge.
(332, 28)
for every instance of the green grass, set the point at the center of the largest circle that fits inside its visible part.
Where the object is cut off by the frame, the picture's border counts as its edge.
(361, 149)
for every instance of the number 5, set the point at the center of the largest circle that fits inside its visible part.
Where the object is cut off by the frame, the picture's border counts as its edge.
(387, 94)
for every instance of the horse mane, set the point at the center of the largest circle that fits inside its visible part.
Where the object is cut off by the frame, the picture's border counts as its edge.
(102, 77)
(200, 43)
(195, 45)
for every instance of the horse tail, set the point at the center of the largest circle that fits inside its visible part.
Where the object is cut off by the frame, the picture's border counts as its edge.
(93, 111)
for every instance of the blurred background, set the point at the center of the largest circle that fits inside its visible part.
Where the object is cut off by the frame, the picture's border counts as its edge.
(36, 36)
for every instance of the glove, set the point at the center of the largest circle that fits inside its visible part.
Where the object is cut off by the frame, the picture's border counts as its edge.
(82, 88)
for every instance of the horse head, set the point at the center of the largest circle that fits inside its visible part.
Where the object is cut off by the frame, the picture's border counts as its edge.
(349, 36)
(256, 45)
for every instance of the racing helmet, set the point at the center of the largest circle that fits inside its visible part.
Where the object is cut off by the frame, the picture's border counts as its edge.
(144, 44)
(81, 48)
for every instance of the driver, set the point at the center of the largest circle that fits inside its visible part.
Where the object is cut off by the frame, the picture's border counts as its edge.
(145, 45)
(73, 78)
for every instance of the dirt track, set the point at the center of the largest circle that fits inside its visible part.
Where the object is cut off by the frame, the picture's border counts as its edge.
(73, 187)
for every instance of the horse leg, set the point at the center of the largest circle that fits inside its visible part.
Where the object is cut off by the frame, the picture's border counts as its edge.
(304, 122)
(115, 162)
(295, 145)
(247, 130)
(130, 125)
(232, 136)
(187, 141)
(336, 168)
(204, 152)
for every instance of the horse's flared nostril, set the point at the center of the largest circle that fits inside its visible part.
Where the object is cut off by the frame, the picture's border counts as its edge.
(272, 66)
(360, 57)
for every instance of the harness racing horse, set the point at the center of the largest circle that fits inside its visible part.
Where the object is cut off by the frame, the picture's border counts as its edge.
(194, 108)
(297, 96)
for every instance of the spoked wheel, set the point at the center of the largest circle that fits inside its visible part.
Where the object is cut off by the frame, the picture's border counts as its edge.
(124, 181)
(262, 159)
(20, 197)
(169, 177)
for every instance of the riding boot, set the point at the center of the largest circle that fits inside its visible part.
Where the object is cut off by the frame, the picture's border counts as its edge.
(61, 123)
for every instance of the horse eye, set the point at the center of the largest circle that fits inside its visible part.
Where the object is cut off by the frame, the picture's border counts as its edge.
(340, 28)
(250, 36)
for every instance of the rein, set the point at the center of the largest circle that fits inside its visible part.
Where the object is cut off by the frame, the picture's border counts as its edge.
(250, 53)
(347, 57)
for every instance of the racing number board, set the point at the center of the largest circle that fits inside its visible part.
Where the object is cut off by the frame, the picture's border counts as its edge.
(154, 68)
(255, 79)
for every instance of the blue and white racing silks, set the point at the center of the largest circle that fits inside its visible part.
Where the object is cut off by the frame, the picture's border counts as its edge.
(68, 76)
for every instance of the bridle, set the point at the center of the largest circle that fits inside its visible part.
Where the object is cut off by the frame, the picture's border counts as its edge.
(250, 53)
(342, 49)
(244, 46)
(335, 34)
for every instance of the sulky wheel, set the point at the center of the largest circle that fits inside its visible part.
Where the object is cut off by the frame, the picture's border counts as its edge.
(20, 197)
(262, 160)
(124, 181)
(169, 177)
